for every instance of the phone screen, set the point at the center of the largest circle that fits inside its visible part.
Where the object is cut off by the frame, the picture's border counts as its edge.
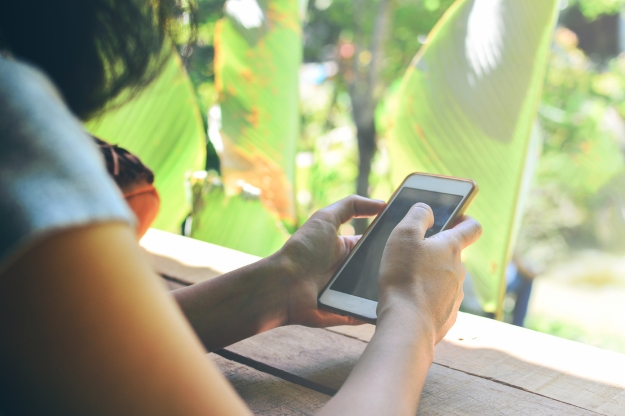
(359, 277)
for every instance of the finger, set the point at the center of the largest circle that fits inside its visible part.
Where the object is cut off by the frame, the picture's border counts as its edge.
(466, 232)
(419, 218)
(355, 322)
(328, 319)
(352, 207)
(350, 241)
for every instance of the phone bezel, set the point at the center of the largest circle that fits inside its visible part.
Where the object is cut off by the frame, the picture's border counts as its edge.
(365, 309)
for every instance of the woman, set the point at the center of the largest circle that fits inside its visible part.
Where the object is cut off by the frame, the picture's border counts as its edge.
(86, 326)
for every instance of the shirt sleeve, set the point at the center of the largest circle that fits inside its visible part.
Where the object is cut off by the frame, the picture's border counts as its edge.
(52, 176)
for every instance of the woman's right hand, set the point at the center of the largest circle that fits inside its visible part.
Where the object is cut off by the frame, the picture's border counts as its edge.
(424, 276)
(420, 290)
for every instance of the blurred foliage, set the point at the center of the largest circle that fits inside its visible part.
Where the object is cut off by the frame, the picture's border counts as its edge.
(199, 55)
(371, 42)
(162, 125)
(595, 8)
(577, 197)
(581, 116)
(325, 176)
(257, 59)
(331, 23)
(568, 329)
(257, 70)
(328, 24)
(577, 200)
(467, 108)
(327, 161)
(239, 221)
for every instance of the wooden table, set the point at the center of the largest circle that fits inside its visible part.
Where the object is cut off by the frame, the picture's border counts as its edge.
(482, 367)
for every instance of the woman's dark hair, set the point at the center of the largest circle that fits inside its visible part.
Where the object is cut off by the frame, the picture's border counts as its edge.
(91, 49)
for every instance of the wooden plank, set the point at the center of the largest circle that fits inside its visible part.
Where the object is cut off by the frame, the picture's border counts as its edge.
(326, 358)
(316, 355)
(567, 371)
(269, 395)
(190, 260)
(451, 392)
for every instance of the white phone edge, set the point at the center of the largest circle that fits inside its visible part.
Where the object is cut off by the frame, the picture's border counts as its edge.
(365, 309)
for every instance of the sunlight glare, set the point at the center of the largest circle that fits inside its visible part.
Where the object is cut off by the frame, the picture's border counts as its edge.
(484, 41)
(247, 12)
(214, 128)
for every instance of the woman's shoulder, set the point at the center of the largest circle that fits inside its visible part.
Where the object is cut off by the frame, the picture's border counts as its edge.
(22, 83)
(31, 108)
(52, 176)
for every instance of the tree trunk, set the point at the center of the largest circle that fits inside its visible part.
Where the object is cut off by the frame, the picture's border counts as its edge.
(599, 38)
(366, 149)
(364, 91)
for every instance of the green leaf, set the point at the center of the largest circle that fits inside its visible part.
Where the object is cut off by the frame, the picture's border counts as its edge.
(257, 77)
(249, 18)
(585, 171)
(258, 51)
(589, 156)
(163, 126)
(592, 9)
(239, 221)
(467, 108)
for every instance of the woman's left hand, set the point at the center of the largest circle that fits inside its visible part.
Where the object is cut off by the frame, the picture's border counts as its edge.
(312, 255)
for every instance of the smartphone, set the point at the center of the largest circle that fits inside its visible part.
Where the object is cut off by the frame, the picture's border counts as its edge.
(353, 290)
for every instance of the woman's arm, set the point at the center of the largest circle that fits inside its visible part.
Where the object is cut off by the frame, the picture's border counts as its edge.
(420, 293)
(236, 305)
(389, 376)
(88, 329)
(281, 289)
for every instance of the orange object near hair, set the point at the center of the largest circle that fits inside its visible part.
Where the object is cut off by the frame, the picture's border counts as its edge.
(136, 182)
(145, 203)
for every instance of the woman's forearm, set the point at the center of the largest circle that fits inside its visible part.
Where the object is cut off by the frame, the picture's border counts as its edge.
(236, 305)
(420, 290)
(390, 375)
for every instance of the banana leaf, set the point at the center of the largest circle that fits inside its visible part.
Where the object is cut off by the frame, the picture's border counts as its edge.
(467, 107)
(258, 51)
(237, 221)
(163, 126)
(257, 78)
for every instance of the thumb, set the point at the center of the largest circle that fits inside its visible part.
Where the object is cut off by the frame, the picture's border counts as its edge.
(419, 218)
(466, 232)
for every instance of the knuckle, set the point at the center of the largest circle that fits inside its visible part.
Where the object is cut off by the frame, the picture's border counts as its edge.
(319, 214)
(476, 228)
(420, 206)
(451, 243)
(456, 247)
(455, 251)
(461, 273)
(404, 231)
(323, 214)
(352, 199)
